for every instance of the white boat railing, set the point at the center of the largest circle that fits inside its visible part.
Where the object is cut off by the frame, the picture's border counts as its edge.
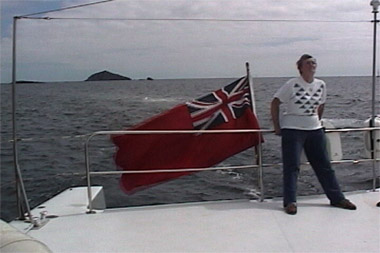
(374, 158)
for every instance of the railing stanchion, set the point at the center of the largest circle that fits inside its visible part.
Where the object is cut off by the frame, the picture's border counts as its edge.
(258, 148)
(88, 176)
(375, 6)
(261, 172)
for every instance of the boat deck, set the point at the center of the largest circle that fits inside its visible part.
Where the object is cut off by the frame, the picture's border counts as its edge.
(218, 226)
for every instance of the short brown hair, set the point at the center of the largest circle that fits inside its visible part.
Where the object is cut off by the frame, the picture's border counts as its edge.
(301, 59)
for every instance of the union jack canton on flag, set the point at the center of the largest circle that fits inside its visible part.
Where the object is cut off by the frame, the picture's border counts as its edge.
(221, 106)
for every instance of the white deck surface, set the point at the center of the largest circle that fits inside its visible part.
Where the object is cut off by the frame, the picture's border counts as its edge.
(221, 226)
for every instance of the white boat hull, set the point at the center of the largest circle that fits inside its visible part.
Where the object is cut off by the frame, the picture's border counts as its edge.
(218, 226)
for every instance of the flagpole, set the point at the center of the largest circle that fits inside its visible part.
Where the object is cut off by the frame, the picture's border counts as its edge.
(258, 149)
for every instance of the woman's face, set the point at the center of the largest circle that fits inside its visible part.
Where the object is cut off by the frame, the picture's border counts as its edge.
(309, 66)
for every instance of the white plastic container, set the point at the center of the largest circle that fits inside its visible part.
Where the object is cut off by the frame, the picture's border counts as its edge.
(367, 139)
(334, 144)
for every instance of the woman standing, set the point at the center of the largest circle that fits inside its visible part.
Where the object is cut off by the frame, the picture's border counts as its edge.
(300, 128)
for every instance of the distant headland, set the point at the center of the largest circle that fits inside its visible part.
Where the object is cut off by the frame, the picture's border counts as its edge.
(108, 76)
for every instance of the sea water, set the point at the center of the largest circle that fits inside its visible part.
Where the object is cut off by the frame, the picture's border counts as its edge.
(54, 119)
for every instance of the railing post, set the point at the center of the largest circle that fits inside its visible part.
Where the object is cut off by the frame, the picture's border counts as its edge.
(20, 188)
(261, 172)
(258, 148)
(88, 175)
(375, 5)
(21, 214)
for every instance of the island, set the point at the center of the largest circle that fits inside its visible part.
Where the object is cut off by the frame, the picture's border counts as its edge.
(106, 76)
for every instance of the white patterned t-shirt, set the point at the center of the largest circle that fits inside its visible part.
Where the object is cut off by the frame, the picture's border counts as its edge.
(301, 100)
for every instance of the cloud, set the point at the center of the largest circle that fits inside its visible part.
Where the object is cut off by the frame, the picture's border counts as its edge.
(54, 50)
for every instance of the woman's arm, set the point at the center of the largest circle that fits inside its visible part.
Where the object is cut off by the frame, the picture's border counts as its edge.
(275, 111)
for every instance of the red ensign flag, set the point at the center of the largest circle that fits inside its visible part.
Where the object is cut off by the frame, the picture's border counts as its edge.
(227, 108)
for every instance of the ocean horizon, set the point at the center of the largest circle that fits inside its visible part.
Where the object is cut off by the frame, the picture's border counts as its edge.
(26, 81)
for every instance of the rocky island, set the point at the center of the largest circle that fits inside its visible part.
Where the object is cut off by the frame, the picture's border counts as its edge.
(106, 76)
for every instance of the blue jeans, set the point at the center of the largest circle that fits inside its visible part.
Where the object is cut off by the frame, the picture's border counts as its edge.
(314, 144)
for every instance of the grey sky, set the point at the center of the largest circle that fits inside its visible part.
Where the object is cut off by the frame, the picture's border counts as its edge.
(69, 50)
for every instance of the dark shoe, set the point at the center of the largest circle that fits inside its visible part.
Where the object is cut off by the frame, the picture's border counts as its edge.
(291, 208)
(345, 204)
